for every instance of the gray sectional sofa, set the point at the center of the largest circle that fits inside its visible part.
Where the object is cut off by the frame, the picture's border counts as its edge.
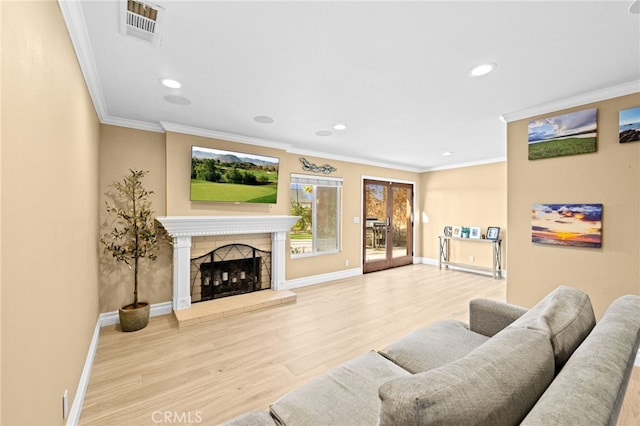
(550, 365)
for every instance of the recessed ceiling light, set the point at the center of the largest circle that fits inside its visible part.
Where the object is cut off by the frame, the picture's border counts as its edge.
(177, 100)
(339, 126)
(172, 84)
(447, 153)
(635, 7)
(264, 119)
(481, 70)
(323, 133)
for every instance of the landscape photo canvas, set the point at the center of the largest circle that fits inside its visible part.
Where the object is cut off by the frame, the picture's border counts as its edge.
(629, 125)
(566, 134)
(230, 176)
(576, 225)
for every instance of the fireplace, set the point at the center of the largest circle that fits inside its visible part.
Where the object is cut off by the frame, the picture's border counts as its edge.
(228, 271)
(182, 228)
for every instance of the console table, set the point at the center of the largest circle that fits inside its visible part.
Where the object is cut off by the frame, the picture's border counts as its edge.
(496, 245)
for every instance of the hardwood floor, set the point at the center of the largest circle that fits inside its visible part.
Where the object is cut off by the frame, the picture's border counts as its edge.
(211, 372)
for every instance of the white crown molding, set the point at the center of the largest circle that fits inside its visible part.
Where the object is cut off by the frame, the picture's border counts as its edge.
(328, 156)
(573, 101)
(72, 13)
(195, 131)
(132, 124)
(73, 17)
(469, 164)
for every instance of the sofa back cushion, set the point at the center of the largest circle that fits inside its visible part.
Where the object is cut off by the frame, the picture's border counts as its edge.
(591, 387)
(497, 383)
(565, 315)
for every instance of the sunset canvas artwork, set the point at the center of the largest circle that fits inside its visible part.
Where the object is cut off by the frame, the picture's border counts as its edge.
(576, 225)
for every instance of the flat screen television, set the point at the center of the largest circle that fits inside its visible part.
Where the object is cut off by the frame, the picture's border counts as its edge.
(229, 176)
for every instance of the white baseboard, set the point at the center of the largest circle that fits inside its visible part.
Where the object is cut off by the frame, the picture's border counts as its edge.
(111, 318)
(434, 262)
(426, 261)
(322, 278)
(107, 318)
(76, 408)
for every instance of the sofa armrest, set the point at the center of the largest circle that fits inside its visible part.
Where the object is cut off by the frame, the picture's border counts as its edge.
(489, 317)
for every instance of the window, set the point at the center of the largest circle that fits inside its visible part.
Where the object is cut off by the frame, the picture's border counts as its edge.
(316, 199)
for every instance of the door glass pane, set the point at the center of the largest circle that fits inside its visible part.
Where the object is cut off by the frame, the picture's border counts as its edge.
(376, 226)
(401, 220)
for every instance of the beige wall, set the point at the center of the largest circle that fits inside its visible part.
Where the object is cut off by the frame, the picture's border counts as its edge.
(178, 174)
(168, 159)
(469, 196)
(122, 149)
(49, 177)
(610, 176)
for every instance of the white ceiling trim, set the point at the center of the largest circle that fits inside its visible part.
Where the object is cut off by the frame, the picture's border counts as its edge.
(214, 134)
(73, 17)
(133, 124)
(573, 101)
(365, 162)
(469, 164)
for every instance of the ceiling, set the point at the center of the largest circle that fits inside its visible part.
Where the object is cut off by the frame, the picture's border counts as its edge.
(396, 73)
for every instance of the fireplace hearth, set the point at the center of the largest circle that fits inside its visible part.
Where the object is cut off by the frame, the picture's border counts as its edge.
(228, 271)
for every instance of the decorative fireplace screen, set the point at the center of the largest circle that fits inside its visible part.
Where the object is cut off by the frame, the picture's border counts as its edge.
(228, 271)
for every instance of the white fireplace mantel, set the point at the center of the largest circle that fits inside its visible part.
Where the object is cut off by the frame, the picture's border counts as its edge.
(182, 228)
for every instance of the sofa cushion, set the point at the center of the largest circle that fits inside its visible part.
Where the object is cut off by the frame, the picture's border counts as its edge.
(433, 346)
(497, 383)
(591, 386)
(565, 316)
(489, 317)
(347, 395)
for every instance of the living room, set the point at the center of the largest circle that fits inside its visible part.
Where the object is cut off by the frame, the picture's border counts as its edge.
(52, 218)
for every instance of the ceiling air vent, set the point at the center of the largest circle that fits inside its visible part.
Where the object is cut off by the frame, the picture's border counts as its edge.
(141, 20)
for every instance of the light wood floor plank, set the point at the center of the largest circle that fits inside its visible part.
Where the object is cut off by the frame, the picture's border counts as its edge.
(214, 371)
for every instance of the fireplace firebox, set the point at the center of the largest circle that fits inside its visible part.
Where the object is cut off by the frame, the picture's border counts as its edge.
(230, 270)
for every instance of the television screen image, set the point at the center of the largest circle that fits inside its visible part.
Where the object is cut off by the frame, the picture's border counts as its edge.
(229, 176)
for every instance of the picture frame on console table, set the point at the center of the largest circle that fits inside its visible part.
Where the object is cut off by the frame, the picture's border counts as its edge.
(474, 232)
(493, 233)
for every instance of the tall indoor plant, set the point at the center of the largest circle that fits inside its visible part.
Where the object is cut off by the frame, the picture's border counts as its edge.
(134, 236)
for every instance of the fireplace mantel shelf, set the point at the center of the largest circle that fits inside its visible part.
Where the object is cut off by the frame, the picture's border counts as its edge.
(183, 228)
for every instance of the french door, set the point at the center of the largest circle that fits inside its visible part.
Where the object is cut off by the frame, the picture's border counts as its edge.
(388, 225)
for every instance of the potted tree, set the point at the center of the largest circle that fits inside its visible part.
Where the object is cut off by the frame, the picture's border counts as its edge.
(135, 236)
